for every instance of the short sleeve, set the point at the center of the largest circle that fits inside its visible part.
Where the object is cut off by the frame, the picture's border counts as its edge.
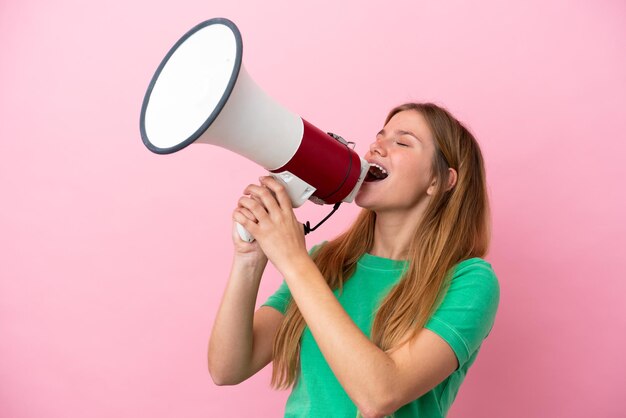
(467, 312)
(281, 298)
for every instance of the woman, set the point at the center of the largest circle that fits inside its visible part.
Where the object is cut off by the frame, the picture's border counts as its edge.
(387, 317)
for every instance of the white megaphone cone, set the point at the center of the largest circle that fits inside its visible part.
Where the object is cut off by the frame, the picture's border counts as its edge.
(201, 93)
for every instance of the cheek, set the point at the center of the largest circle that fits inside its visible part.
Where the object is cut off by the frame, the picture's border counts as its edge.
(416, 176)
(412, 184)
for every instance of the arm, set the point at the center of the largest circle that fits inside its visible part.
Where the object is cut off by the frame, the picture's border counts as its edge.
(231, 341)
(378, 382)
(241, 340)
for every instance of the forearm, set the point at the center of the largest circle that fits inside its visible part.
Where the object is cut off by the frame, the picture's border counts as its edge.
(231, 341)
(364, 370)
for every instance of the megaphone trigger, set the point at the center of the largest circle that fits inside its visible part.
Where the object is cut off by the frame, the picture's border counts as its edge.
(244, 234)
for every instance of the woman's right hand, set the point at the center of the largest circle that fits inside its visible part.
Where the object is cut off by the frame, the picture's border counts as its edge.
(248, 252)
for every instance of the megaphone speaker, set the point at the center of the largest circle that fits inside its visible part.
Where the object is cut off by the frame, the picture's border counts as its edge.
(201, 93)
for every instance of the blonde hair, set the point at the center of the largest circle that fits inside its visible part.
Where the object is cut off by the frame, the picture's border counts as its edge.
(454, 227)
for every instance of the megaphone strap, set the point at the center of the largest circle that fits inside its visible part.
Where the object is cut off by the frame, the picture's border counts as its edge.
(307, 225)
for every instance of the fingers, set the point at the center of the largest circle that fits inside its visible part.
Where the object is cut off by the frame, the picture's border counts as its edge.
(260, 202)
(265, 196)
(246, 212)
(246, 219)
(252, 209)
(279, 191)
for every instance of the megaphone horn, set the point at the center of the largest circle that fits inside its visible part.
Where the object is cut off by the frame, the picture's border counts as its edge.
(201, 93)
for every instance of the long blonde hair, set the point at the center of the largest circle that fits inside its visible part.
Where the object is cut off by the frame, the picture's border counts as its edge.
(454, 227)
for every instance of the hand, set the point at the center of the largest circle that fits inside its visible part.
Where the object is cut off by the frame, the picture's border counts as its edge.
(250, 253)
(266, 212)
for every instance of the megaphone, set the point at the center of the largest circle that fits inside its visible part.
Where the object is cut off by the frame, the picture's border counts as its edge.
(201, 93)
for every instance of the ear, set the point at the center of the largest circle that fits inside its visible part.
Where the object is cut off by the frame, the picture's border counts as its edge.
(452, 177)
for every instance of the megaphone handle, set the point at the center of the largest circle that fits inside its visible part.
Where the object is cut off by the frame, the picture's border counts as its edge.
(244, 234)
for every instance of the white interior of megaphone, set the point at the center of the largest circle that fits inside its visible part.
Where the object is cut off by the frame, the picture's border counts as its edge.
(190, 85)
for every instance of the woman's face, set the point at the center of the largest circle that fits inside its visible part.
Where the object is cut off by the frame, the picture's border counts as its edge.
(405, 149)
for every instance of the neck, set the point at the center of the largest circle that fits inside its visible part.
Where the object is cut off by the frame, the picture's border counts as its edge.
(393, 233)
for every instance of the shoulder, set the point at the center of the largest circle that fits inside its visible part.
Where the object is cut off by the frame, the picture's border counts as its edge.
(475, 271)
(316, 248)
(473, 265)
(473, 283)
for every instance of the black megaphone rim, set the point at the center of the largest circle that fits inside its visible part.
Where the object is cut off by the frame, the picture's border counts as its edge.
(220, 105)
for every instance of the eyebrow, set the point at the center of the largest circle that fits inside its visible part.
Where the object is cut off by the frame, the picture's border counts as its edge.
(401, 132)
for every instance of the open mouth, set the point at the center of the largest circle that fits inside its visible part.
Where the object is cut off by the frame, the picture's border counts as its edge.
(376, 173)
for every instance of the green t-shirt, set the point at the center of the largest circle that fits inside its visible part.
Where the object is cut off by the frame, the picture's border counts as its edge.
(463, 319)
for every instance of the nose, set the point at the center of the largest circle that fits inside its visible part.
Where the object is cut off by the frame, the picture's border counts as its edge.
(378, 148)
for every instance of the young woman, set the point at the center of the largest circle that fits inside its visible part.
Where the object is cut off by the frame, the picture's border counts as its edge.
(386, 318)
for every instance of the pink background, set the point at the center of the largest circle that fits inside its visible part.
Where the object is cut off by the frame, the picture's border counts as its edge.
(113, 259)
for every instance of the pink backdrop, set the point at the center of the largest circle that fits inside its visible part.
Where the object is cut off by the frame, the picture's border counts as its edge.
(113, 259)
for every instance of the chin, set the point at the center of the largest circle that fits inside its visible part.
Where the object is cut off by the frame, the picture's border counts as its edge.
(363, 202)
